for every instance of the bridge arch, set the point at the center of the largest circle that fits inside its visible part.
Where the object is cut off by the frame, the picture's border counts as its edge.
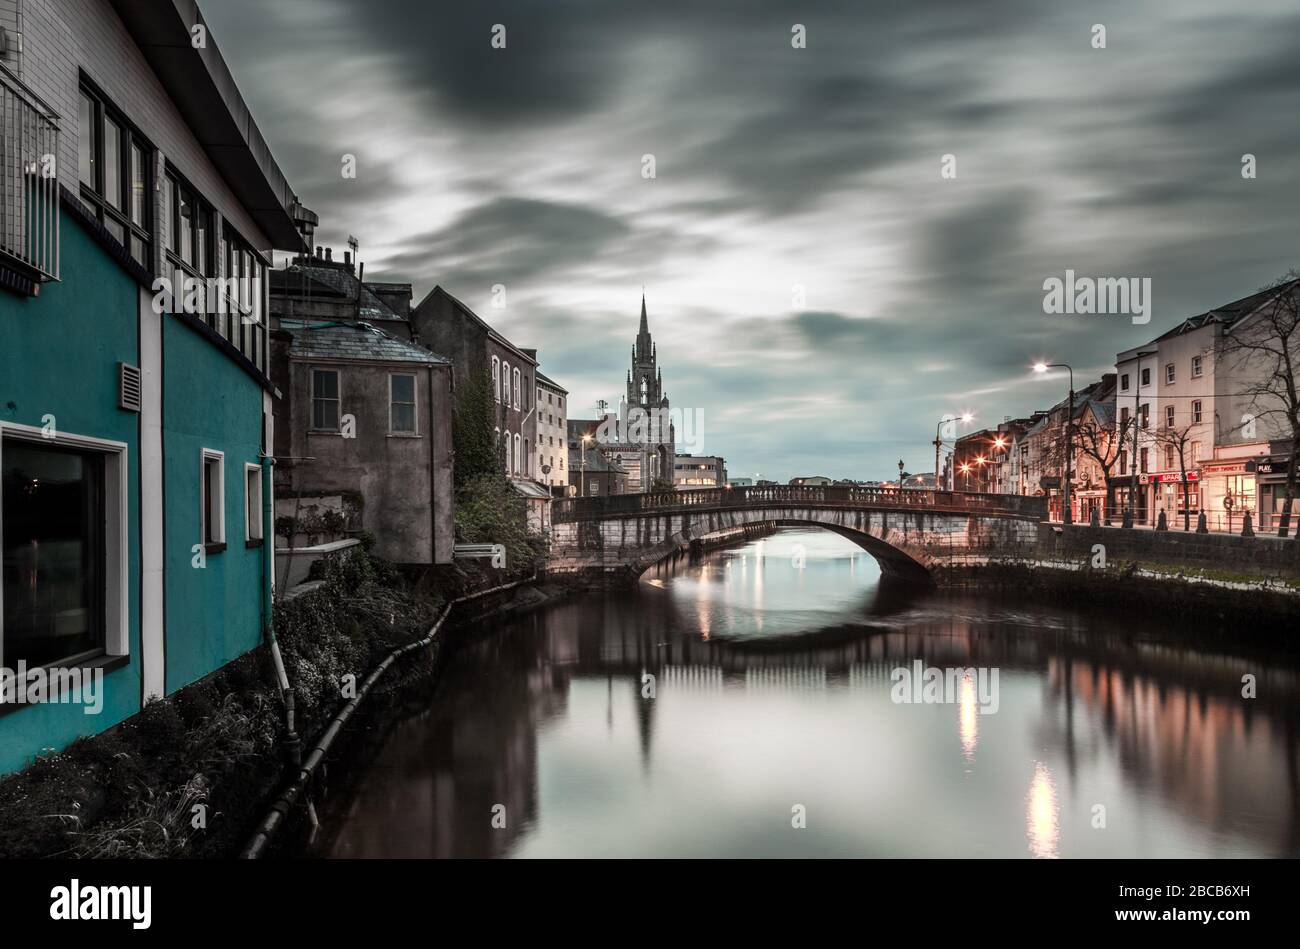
(890, 547)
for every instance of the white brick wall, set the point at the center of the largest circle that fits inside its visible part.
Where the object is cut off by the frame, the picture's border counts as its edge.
(62, 36)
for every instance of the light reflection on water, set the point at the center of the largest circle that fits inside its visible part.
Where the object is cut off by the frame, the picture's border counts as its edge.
(772, 689)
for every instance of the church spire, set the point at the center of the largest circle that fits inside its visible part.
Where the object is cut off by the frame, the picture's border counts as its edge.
(645, 324)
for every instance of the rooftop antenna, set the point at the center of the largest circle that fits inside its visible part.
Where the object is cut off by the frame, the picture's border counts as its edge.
(354, 244)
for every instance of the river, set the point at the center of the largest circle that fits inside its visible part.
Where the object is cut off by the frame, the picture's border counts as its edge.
(779, 699)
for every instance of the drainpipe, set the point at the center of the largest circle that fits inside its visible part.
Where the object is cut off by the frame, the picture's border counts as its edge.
(293, 748)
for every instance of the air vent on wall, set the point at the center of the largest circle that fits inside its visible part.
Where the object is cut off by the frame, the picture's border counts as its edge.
(128, 387)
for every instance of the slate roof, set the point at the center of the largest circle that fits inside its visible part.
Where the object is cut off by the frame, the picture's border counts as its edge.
(1230, 313)
(530, 489)
(358, 341)
(479, 320)
(332, 283)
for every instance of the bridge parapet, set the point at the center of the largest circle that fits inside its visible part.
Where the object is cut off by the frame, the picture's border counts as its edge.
(568, 510)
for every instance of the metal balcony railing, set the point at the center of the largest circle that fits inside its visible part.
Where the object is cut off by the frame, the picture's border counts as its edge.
(29, 185)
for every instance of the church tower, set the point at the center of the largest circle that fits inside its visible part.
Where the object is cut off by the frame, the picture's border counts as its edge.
(645, 392)
(645, 380)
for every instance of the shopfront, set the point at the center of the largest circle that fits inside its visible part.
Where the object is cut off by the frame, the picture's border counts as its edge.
(1270, 485)
(1128, 498)
(1228, 492)
(1167, 487)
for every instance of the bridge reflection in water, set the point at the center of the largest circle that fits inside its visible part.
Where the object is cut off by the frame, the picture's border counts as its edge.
(545, 716)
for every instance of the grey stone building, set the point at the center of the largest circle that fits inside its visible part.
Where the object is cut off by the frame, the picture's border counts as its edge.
(447, 326)
(365, 415)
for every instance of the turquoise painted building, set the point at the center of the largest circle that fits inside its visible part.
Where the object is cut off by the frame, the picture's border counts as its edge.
(135, 405)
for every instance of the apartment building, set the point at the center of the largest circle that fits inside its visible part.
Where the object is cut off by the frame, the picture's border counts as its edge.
(135, 407)
(552, 433)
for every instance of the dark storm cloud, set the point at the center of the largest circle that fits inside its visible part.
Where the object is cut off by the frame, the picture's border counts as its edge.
(510, 239)
(775, 166)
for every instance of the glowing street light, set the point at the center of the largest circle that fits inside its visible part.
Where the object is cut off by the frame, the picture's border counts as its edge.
(1067, 517)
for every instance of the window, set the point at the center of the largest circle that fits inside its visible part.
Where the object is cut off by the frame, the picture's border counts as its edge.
(1196, 453)
(1169, 416)
(1196, 410)
(517, 458)
(1123, 462)
(539, 396)
(113, 168)
(1144, 419)
(505, 383)
(58, 515)
(245, 325)
(528, 457)
(1145, 452)
(325, 400)
(401, 404)
(252, 503)
(213, 499)
(1171, 458)
(1146, 377)
(1169, 374)
(1196, 367)
(1123, 417)
(496, 378)
(1123, 382)
(516, 398)
(508, 466)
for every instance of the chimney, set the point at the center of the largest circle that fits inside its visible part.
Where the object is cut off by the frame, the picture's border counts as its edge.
(347, 257)
(320, 252)
(329, 254)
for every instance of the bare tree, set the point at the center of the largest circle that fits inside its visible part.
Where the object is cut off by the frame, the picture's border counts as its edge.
(1169, 438)
(1265, 350)
(1103, 444)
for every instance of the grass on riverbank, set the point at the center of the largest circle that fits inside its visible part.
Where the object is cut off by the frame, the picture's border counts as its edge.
(189, 774)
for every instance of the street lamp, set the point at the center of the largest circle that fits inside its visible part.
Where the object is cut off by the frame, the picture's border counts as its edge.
(1066, 516)
(966, 418)
(583, 476)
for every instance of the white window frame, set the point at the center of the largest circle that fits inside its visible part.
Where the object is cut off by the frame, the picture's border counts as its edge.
(496, 378)
(507, 454)
(1198, 367)
(252, 506)
(1197, 410)
(117, 513)
(1170, 416)
(517, 465)
(1171, 373)
(504, 392)
(515, 378)
(219, 536)
(415, 404)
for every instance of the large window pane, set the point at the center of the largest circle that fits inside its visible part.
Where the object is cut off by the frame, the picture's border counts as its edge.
(185, 220)
(325, 400)
(53, 553)
(87, 142)
(402, 417)
(112, 163)
(137, 186)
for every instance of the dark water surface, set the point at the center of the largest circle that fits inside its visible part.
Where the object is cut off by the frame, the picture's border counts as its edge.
(773, 698)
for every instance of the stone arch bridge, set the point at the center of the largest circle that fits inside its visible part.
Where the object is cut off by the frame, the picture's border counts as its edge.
(911, 533)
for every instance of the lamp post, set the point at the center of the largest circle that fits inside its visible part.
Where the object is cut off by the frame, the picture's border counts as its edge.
(900, 474)
(582, 477)
(938, 442)
(1066, 516)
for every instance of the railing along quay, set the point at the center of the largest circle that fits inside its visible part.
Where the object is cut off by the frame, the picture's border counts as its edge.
(848, 496)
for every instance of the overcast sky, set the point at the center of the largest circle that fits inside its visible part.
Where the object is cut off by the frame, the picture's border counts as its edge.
(779, 167)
